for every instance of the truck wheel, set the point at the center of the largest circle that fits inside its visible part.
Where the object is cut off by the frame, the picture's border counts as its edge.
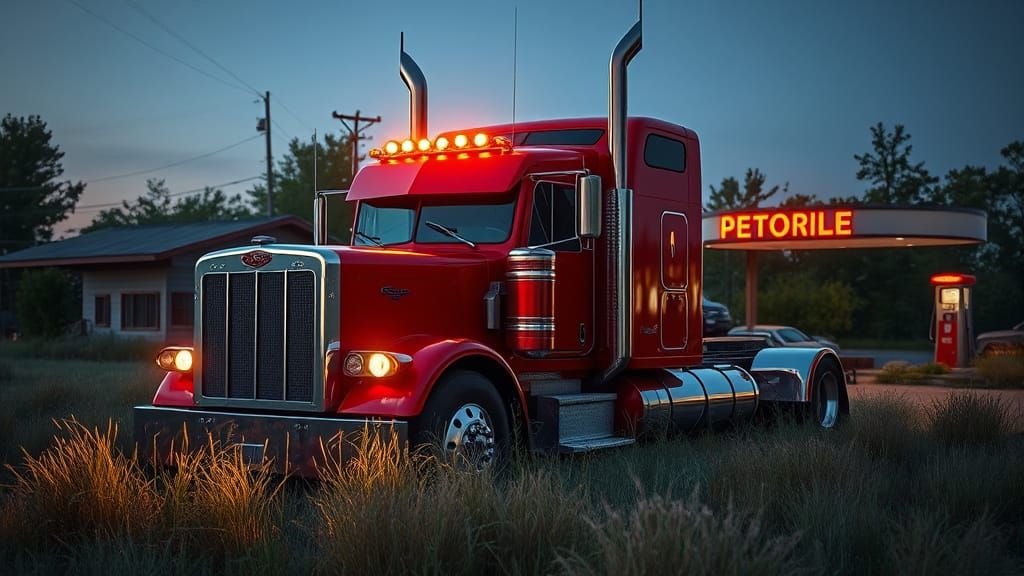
(464, 421)
(826, 401)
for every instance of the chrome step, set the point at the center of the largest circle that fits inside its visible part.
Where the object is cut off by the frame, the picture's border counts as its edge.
(589, 445)
(575, 422)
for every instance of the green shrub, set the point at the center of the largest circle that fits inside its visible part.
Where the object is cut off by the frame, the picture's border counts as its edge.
(1003, 371)
(899, 372)
(47, 302)
(970, 418)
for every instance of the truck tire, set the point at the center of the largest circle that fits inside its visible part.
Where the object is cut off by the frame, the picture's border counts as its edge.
(827, 406)
(464, 422)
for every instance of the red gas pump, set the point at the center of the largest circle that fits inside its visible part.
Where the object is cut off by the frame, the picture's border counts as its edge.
(951, 330)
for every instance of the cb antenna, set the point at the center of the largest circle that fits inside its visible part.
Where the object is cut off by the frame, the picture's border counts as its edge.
(515, 66)
(315, 188)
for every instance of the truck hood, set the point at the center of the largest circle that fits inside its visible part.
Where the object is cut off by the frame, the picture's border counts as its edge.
(391, 298)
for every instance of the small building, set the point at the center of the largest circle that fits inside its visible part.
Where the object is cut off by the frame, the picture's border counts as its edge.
(138, 280)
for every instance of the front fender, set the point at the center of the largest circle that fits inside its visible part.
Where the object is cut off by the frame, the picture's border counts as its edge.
(175, 390)
(404, 394)
(784, 374)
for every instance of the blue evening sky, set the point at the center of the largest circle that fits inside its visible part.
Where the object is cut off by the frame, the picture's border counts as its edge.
(790, 86)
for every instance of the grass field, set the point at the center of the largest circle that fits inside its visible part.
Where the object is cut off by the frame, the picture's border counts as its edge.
(896, 491)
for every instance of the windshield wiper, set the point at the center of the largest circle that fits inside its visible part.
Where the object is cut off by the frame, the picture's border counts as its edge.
(449, 232)
(371, 239)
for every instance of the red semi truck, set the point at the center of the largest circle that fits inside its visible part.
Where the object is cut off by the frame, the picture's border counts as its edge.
(538, 283)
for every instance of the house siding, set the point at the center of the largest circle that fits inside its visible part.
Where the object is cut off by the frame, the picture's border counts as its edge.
(116, 282)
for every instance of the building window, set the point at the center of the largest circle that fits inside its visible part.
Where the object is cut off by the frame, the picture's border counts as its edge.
(140, 311)
(182, 307)
(101, 310)
(553, 223)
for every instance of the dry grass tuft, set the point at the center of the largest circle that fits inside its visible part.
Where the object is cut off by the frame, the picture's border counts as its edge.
(884, 427)
(80, 487)
(970, 419)
(664, 536)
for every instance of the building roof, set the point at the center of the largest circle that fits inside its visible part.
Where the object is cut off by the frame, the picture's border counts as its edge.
(146, 243)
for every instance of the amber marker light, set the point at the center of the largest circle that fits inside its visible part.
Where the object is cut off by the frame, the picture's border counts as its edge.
(408, 145)
(391, 147)
(441, 143)
(380, 365)
(461, 141)
(375, 364)
(175, 359)
(423, 145)
(480, 140)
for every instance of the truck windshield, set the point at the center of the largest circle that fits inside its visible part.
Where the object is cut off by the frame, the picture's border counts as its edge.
(478, 223)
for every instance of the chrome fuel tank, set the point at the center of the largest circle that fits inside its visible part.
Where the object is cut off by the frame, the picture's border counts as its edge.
(685, 398)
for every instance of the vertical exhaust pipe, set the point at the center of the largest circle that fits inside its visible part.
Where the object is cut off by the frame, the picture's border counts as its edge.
(417, 84)
(620, 213)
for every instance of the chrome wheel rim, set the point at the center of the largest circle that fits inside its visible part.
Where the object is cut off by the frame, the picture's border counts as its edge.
(469, 436)
(827, 407)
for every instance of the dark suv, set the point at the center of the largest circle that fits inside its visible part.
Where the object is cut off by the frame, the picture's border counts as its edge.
(717, 320)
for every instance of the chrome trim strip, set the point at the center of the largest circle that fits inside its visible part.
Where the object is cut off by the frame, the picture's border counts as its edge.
(531, 275)
(284, 340)
(256, 331)
(532, 327)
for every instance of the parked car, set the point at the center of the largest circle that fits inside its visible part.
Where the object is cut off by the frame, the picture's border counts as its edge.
(784, 336)
(1001, 341)
(717, 320)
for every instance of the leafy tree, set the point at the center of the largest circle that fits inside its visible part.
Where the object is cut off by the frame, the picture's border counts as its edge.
(729, 196)
(800, 200)
(804, 300)
(893, 178)
(32, 196)
(47, 302)
(293, 181)
(157, 206)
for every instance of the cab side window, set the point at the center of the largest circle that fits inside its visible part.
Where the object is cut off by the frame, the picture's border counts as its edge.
(553, 222)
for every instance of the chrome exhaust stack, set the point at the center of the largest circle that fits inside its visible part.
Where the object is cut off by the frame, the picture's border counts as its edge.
(620, 212)
(417, 85)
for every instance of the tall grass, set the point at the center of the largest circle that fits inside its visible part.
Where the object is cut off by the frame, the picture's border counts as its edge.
(892, 492)
(1003, 370)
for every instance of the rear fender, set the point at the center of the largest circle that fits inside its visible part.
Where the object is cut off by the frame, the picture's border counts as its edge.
(175, 390)
(784, 374)
(404, 394)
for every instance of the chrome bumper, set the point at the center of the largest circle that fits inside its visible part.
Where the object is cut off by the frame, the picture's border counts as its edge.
(291, 444)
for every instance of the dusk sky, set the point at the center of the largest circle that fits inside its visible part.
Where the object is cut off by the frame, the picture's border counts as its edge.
(790, 87)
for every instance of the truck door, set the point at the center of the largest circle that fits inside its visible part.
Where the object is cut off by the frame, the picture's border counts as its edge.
(553, 226)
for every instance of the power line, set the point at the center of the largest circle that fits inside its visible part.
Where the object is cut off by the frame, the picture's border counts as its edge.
(293, 114)
(154, 48)
(209, 58)
(149, 15)
(86, 207)
(173, 164)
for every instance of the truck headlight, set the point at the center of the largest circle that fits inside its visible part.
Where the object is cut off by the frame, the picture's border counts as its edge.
(175, 359)
(375, 364)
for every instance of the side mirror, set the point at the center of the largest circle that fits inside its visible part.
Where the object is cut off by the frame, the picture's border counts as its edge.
(588, 206)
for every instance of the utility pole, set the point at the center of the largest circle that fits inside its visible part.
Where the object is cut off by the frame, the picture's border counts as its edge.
(355, 133)
(264, 126)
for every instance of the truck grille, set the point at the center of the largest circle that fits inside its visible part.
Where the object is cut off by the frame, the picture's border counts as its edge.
(259, 335)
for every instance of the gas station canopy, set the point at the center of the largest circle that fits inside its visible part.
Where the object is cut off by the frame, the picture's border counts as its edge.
(837, 227)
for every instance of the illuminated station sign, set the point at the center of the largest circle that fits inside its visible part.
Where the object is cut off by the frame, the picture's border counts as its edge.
(836, 227)
(782, 225)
